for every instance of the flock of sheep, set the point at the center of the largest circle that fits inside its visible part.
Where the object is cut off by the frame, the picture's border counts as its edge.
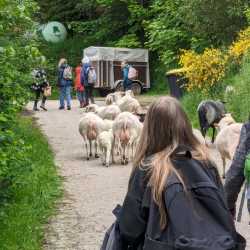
(115, 128)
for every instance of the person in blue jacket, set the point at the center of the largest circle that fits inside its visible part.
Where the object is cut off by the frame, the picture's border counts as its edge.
(127, 83)
(64, 83)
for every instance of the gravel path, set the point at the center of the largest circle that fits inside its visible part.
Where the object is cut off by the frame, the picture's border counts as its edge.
(91, 190)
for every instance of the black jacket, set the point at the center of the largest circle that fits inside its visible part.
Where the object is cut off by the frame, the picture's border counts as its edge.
(138, 202)
(235, 175)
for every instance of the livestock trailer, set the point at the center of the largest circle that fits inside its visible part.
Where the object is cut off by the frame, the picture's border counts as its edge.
(107, 63)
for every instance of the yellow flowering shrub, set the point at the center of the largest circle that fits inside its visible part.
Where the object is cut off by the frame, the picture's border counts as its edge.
(203, 70)
(241, 46)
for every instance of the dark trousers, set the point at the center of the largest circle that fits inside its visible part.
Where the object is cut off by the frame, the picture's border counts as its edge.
(37, 97)
(89, 94)
(127, 84)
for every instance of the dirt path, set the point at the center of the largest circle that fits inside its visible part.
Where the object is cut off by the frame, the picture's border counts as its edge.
(91, 190)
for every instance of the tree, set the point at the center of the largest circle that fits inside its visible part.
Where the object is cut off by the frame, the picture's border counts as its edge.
(66, 11)
(213, 21)
(18, 55)
(165, 30)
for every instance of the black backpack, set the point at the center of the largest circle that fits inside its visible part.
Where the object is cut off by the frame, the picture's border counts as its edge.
(198, 217)
(112, 238)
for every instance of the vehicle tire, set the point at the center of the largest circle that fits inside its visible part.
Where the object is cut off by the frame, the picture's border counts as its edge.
(136, 88)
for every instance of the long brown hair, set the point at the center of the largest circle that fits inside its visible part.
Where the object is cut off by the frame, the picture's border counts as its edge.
(166, 127)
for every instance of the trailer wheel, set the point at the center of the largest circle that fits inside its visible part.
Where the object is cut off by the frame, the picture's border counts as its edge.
(136, 88)
(104, 92)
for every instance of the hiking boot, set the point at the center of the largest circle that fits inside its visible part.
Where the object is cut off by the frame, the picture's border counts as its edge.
(61, 108)
(68, 108)
(35, 106)
(42, 107)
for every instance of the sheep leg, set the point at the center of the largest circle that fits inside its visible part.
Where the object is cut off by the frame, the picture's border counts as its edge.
(90, 146)
(123, 160)
(131, 145)
(108, 152)
(134, 145)
(133, 149)
(112, 151)
(224, 167)
(96, 150)
(86, 147)
(103, 157)
(119, 146)
(126, 154)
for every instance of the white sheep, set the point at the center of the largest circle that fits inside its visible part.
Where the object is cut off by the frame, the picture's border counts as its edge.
(225, 121)
(107, 124)
(109, 112)
(129, 104)
(135, 136)
(227, 139)
(129, 93)
(91, 108)
(112, 98)
(90, 126)
(105, 142)
(199, 136)
(126, 129)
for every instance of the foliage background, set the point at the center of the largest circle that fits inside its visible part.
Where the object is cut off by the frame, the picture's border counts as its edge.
(28, 184)
(165, 27)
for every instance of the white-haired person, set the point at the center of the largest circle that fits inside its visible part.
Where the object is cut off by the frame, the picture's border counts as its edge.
(88, 79)
(65, 78)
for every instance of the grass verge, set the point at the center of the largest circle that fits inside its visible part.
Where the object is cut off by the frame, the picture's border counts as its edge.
(32, 196)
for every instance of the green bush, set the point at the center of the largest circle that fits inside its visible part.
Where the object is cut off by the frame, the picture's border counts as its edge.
(237, 102)
(29, 187)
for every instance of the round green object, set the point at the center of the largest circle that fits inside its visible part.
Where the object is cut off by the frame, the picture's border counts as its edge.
(54, 32)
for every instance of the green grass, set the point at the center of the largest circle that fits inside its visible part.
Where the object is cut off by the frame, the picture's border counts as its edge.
(190, 102)
(33, 194)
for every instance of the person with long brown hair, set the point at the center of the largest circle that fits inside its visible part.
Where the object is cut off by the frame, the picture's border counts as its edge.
(175, 197)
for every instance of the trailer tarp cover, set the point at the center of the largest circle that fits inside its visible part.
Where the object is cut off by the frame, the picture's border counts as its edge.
(116, 54)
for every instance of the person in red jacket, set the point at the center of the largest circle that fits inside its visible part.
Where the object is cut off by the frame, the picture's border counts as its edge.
(80, 92)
